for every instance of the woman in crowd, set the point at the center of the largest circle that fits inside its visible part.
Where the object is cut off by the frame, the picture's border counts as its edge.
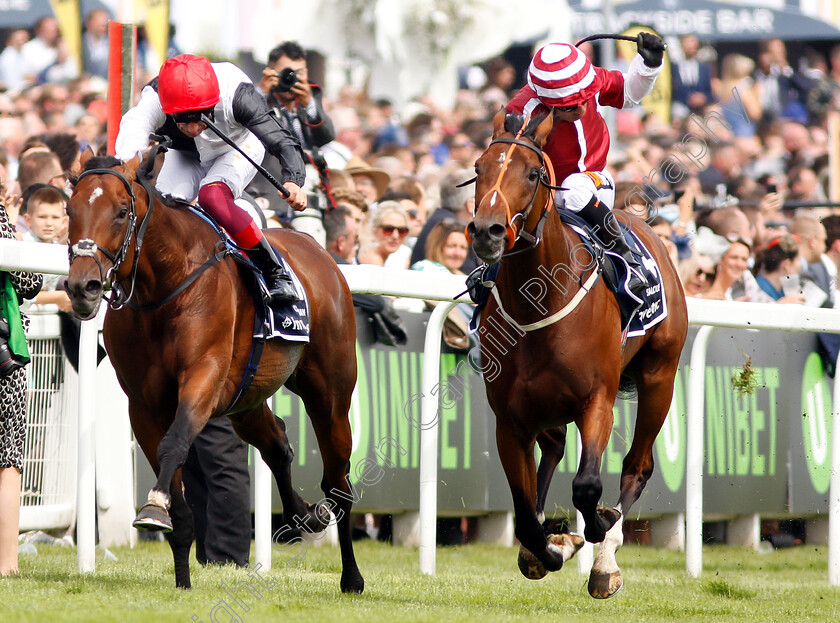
(696, 274)
(777, 261)
(13, 356)
(730, 269)
(389, 225)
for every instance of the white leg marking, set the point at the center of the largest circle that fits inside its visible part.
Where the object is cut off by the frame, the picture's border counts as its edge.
(605, 561)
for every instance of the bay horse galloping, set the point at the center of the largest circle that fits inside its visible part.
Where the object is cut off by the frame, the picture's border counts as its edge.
(568, 358)
(181, 343)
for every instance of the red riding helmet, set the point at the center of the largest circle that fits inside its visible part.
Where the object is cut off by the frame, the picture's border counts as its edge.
(187, 82)
(561, 75)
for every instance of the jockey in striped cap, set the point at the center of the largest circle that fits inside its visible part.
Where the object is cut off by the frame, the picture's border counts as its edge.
(562, 81)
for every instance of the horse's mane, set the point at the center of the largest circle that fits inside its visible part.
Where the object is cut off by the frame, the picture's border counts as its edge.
(109, 162)
(102, 162)
(514, 121)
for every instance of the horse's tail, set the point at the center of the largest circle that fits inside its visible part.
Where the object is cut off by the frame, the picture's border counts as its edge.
(627, 389)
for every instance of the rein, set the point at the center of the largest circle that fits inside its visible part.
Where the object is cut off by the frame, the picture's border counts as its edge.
(88, 248)
(546, 179)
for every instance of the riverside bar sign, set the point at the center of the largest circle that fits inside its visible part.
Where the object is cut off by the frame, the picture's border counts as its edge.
(716, 21)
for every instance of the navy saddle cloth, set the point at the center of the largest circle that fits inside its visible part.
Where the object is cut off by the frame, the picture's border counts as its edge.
(637, 315)
(289, 321)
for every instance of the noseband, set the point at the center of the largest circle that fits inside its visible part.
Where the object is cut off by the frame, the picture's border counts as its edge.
(88, 247)
(546, 178)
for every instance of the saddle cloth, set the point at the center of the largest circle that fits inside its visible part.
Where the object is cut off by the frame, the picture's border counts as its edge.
(637, 315)
(289, 321)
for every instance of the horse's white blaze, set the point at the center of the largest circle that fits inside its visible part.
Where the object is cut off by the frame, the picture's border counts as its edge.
(502, 157)
(96, 194)
(493, 198)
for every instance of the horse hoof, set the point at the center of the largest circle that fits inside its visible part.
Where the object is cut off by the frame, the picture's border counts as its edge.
(153, 517)
(355, 585)
(604, 585)
(530, 566)
(568, 544)
(316, 521)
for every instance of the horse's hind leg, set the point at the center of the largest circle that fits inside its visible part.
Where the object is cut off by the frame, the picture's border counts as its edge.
(654, 402)
(328, 409)
(267, 433)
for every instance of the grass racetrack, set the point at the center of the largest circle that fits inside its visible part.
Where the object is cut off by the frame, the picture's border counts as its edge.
(473, 583)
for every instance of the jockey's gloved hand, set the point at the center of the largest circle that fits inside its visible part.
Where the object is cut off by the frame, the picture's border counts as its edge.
(651, 48)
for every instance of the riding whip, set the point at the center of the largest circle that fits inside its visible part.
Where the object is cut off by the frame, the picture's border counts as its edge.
(274, 182)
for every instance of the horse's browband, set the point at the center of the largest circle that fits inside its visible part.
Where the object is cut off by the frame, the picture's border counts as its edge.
(521, 143)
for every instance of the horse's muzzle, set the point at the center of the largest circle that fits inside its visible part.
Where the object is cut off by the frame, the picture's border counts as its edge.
(85, 296)
(488, 241)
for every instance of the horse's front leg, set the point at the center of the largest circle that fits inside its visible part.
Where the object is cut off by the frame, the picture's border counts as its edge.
(197, 396)
(148, 431)
(655, 391)
(537, 555)
(595, 427)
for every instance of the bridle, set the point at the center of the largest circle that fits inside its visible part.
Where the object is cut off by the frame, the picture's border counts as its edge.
(88, 247)
(546, 179)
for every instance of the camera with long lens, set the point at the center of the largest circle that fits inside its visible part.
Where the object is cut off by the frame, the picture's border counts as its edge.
(8, 363)
(286, 79)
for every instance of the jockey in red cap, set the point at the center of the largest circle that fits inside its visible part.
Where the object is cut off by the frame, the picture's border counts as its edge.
(562, 81)
(202, 166)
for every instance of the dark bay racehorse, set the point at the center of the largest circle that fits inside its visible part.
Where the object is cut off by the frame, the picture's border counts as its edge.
(566, 369)
(182, 362)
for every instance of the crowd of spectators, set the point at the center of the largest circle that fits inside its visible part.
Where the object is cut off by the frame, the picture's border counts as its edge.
(735, 181)
(735, 184)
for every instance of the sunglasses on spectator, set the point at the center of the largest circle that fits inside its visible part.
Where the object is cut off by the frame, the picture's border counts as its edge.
(700, 271)
(389, 230)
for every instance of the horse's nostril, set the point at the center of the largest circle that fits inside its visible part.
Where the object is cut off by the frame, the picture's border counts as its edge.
(471, 230)
(497, 231)
(94, 286)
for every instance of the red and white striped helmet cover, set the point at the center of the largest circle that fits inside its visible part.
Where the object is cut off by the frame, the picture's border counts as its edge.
(561, 75)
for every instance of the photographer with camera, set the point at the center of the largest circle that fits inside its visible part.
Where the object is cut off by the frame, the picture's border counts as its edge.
(14, 354)
(297, 107)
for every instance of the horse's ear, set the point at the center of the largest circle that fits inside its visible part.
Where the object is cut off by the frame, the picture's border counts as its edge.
(543, 130)
(499, 123)
(130, 167)
(87, 154)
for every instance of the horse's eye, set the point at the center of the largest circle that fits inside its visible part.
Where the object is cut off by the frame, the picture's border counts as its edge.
(122, 213)
(534, 175)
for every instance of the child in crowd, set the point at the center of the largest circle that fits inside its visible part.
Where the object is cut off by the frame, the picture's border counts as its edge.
(46, 218)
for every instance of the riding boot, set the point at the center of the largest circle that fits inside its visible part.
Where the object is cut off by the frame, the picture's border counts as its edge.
(280, 286)
(607, 229)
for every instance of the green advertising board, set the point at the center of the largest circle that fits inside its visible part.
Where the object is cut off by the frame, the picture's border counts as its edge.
(766, 450)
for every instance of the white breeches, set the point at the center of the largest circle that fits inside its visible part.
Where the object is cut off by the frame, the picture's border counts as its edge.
(578, 189)
(182, 175)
